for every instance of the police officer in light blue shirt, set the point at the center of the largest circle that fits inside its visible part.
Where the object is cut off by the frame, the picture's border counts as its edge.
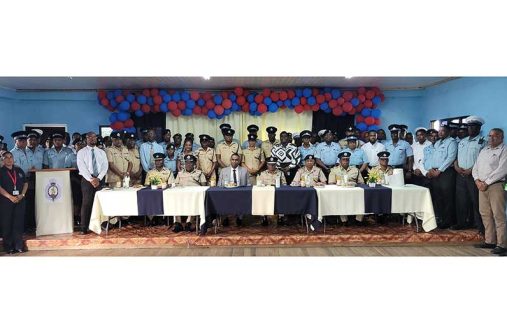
(171, 159)
(306, 147)
(19, 151)
(326, 153)
(147, 150)
(357, 156)
(428, 151)
(400, 150)
(166, 136)
(54, 158)
(252, 129)
(34, 151)
(467, 194)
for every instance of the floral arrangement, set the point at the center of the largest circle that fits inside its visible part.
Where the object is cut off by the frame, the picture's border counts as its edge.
(374, 176)
(155, 180)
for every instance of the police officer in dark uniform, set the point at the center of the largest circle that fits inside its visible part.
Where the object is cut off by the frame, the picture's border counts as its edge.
(13, 189)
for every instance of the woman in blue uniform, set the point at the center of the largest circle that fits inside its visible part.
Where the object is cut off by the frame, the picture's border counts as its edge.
(13, 187)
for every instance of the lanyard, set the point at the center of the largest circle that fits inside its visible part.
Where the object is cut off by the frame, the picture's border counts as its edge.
(13, 177)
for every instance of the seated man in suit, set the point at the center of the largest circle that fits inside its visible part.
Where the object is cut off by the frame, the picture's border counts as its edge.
(234, 174)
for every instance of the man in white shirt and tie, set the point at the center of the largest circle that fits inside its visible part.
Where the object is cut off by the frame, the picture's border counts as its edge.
(372, 148)
(92, 164)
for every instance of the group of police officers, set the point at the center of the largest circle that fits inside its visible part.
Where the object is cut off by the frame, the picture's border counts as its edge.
(442, 160)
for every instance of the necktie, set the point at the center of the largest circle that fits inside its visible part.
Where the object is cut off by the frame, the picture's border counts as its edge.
(152, 161)
(94, 164)
(234, 175)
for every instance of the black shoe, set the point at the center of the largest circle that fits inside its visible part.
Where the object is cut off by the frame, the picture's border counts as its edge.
(239, 222)
(315, 226)
(177, 227)
(264, 221)
(11, 251)
(84, 232)
(458, 227)
(443, 226)
(226, 222)
(504, 254)
(484, 246)
(20, 251)
(345, 224)
(499, 250)
(204, 229)
(281, 221)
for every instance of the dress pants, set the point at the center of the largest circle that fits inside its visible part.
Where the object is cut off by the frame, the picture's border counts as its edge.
(444, 190)
(467, 203)
(88, 192)
(492, 209)
(12, 219)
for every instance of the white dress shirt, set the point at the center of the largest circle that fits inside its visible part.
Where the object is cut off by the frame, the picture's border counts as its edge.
(418, 150)
(371, 152)
(84, 162)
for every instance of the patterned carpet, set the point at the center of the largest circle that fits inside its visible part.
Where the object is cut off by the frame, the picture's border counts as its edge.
(137, 236)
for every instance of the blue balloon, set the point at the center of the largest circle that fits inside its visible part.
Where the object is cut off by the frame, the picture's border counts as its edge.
(267, 101)
(124, 106)
(366, 112)
(355, 101)
(376, 113)
(131, 98)
(166, 98)
(190, 104)
(235, 107)
(187, 112)
(217, 99)
(141, 99)
(279, 103)
(295, 101)
(232, 97)
(221, 116)
(311, 100)
(117, 92)
(361, 127)
(250, 98)
(227, 112)
(163, 92)
(176, 97)
(110, 95)
(113, 117)
(113, 103)
(328, 110)
(324, 106)
(201, 102)
(163, 107)
(122, 116)
(335, 93)
(139, 113)
(150, 101)
(307, 92)
(185, 96)
(253, 107)
(287, 103)
(131, 130)
(376, 100)
(212, 114)
(258, 114)
(273, 107)
(299, 93)
(373, 128)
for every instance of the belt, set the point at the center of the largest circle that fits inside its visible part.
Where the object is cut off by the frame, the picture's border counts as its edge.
(397, 166)
(498, 181)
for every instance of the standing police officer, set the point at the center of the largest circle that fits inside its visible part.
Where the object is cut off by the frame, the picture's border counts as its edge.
(327, 152)
(54, 158)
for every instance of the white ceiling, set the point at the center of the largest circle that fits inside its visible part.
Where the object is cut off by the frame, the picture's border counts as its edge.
(188, 82)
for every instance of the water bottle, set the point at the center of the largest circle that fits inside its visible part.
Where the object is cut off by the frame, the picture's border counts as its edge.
(126, 181)
(277, 181)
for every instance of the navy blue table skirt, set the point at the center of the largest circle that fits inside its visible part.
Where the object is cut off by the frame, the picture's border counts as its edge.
(229, 201)
(377, 200)
(296, 200)
(150, 202)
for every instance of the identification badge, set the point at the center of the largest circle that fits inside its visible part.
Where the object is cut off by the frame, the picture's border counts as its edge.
(15, 192)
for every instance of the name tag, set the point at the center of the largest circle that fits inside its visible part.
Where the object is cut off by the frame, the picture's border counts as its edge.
(15, 192)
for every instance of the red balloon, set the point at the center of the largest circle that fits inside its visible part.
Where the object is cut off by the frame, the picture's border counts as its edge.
(315, 92)
(298, 108)
(129, 123)
(283, 107)
(176, 113)
(315, 107)
(117, 125)
(377, 121)
(359, 118)
(104, 101)
(368, 103)
(219, 109)
(194, 95)
(262, 108)
(207, 96)
(347, 107)
(120, 98)
(360, 107)
(204, 110)
(320, 99)
(283, 95)
(328, 96)
(245, 107)
(259, 98)
(154, 92)
(156, 108)
(347, 96)
(291, 94)
(275, 97)
(370, 94)
(369, 121)
(224, 94)
(102, 94)
(337, 111)
(302, 100)
(182, 105)
(146, 92)
(266, 92)
(376, 90)
(241, 100)
(361, 98)
(361, 90)
(172, 105)
(238, 91)
(135, 106)
(157, 100)
(307, 107)
(110, 108)
(145, 108)
(340, 101)
(226, 103)
(333, 103)
(210, 104)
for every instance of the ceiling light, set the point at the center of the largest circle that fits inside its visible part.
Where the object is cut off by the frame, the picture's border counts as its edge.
(206, 77)
(348, 77)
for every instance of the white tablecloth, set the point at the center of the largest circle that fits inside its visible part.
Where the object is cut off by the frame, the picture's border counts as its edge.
(117, 202)
(263, 200)
(185, 201)
(337, 200)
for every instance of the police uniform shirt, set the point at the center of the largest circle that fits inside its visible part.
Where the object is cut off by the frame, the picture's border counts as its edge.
(399, 152)
(206, 158)
(21, 159)
(469, 149)
(491, 164)
(181, 157)
(7, 184)
(146, 154)
(71, 161)
(171, 163)
(316, 175)
(371, 152)
(35, 157)
(418, 150)
(225, 151)
(444, 154)
(267, 146)
(258, 144)
(344, 143)
(286, 156)
(304, 151)
(352, 172)
(165, 175)
(120, 158)
(54, 159)
(233, 140)
(328, 153)
(194, 178)
(253, 157)
(135, 159)
(357, 156)
(269, 178)
(387, 171)
(428, 152)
